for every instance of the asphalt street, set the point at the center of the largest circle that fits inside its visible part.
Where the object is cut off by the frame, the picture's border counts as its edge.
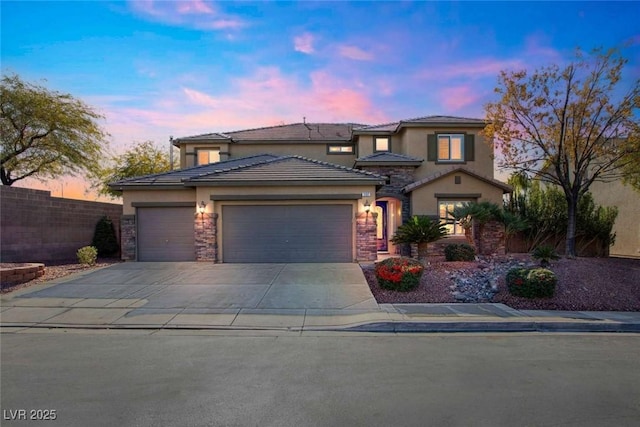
(275, 378)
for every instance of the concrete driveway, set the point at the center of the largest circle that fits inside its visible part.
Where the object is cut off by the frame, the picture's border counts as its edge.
(157, 294)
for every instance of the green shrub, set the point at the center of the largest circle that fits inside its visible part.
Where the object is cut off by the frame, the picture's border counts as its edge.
(399, 274)
(104, 238)
(531, 282)
(87, 255)
(459, 252)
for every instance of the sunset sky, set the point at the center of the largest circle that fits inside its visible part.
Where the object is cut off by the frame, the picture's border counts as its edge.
(161, 68)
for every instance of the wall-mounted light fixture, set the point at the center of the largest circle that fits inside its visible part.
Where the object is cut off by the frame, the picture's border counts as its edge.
(201, 207)
(367, 206)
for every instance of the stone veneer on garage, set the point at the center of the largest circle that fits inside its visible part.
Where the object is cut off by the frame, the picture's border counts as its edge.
(366, 242)
(206, 233)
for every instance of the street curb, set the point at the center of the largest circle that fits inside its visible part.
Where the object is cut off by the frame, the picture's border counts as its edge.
(379, 327)
(409, 327)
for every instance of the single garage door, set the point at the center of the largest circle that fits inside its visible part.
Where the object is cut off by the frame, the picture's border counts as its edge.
(166, 234)
(287, 233)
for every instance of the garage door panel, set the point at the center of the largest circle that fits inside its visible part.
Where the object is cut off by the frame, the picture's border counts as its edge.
(287, 233)
(166, 234)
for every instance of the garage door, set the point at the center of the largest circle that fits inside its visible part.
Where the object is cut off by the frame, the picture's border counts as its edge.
(166, 234)
(296, 233)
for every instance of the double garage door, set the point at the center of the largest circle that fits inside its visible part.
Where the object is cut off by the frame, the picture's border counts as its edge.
(256, 233)
(287, 233)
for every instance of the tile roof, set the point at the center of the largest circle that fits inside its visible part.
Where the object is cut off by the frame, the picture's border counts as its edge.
(177, 177)
(264, 169)
(388, 159)
(426, 120)
(436, 176)
(289, 170)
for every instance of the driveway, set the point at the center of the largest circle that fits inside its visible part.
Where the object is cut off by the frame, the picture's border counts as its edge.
(198, 294)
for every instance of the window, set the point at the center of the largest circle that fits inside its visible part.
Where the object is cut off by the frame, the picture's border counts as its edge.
(444, 208)
(340, 149)
(381, 144)
(204, 157)
(451, 148)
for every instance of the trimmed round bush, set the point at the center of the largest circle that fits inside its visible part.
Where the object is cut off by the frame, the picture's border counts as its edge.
(459, 252)
(399, 274)
(531, 283)
(87, 255)
(104, 238)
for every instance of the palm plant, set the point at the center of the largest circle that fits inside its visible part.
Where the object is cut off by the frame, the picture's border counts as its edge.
(420, 230)
(544, 254)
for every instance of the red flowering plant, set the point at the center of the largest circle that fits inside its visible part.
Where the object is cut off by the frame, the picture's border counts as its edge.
(531, 282)
(399, 274)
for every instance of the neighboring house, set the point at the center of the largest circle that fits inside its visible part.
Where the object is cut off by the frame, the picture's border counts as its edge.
(627, 226)
(306, 192)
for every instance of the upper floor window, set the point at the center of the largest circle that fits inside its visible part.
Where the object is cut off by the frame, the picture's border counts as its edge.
(340, 149)
(206, 156)
(381, 143)
(450, 147)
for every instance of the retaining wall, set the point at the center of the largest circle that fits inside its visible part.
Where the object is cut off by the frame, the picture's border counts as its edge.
(35, 227)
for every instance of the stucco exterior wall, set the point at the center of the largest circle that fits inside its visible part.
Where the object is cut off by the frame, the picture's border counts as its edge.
(414, 141)
(156, 196)
(424, 200)
(312, 150)
(627, 225)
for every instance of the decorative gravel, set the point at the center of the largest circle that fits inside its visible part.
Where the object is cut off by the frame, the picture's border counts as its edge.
(584, 284)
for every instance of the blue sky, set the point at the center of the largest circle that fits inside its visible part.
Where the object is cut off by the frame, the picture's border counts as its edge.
(161, 68)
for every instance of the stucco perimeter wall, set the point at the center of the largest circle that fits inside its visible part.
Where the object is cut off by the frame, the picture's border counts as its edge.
(424, 200)
(627, 225)
(35, 227)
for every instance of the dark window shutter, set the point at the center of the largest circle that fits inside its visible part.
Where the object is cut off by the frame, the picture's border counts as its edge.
(432, 148)
(469, 148)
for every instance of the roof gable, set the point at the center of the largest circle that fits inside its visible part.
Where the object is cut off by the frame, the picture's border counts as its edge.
(390, 159)
(439, 175)
(288, 170)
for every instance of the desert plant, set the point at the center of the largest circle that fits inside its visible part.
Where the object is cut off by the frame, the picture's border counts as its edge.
(104, 238)
(87, 255)
(420, 230)
(399, 274)
(544, 254)
(459, 252)
(531, 283)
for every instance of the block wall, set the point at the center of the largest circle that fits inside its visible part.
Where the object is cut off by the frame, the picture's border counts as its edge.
(35, 227)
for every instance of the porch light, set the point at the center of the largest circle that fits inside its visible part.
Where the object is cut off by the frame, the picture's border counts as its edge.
(367, 206)
(202, 207)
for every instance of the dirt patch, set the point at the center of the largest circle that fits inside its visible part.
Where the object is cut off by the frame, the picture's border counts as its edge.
(584, 284)
(55, 271)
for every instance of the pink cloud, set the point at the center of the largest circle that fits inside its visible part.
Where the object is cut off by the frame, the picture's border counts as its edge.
(354, 52)
(304, 43)
(199, 14)
(458, 97)
(484, 67)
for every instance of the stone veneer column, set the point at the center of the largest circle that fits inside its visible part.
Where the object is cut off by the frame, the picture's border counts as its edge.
(128, 237)
(366, 242)
(206, 233)
(488, 238)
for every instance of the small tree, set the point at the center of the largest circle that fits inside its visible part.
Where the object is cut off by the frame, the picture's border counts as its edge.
(143, 158)
(568, 126)
(46, 134)
(104, 238)
(420, 230)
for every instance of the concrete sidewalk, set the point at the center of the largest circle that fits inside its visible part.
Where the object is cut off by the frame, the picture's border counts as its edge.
(289, 297)
(20, 315)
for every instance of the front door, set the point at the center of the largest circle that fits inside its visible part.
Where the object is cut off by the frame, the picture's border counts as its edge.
(381, 210)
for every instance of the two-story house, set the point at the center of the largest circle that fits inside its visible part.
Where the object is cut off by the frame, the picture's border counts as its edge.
(306, 192)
